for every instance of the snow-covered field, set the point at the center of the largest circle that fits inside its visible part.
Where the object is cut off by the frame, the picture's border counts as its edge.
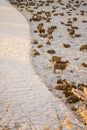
(66, 16)
(21, 84)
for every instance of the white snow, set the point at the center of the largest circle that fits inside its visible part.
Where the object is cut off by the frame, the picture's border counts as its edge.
(18, 81)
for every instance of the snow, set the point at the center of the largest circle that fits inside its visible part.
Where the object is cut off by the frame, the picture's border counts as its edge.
(18, 81)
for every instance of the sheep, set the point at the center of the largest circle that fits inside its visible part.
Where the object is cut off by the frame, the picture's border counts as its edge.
(61, 65)
(83, 47)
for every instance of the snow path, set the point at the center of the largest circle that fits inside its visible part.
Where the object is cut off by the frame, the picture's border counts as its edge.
(18, 81)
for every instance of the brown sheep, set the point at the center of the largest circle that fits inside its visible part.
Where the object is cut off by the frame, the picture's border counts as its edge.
(42, 30)
(55, 58)
(61, 65)
(83, 47)
(71, 31)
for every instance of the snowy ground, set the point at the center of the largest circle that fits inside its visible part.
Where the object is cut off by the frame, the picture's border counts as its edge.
(19, 84)
(60, 12)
